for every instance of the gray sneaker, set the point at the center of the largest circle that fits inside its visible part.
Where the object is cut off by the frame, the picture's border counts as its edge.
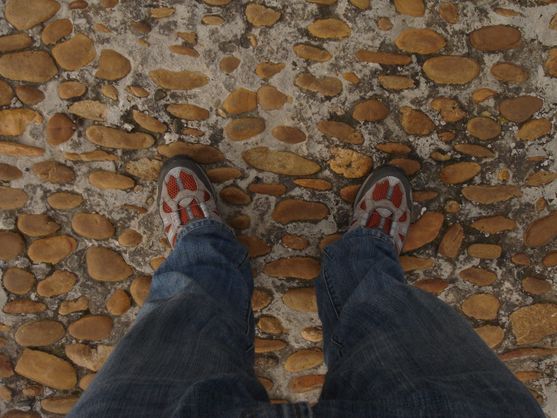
(385, 202)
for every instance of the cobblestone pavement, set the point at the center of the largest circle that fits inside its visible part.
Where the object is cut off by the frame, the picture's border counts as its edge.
(288, 105)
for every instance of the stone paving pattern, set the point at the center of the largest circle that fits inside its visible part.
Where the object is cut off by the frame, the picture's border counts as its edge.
(288, 105)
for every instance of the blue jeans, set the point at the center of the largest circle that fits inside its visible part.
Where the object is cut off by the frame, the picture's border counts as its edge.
(391, 349)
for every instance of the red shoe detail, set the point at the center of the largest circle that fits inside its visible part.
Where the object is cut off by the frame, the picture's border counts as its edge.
(174, 240)
(167, 229)
(196, 210)
(374, 220)
(166, 208)
(387, 224)
(206, 195)
(183, 215)
(397, 196)
(188, 181)
(380, 191)
(172, 187)
(403, 217)
(363, 205)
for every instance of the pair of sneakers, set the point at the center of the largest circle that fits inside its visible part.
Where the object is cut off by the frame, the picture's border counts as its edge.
(186, 194)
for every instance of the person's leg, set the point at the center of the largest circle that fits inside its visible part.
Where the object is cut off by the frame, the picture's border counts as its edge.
(396, 351)
(190, 352)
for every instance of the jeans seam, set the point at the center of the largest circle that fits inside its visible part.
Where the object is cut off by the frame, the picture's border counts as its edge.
(330, 291)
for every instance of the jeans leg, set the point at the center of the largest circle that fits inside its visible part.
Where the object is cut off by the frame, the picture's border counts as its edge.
(394, 350)
(190, 353)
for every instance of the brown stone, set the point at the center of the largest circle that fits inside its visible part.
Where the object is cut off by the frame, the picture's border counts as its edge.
(550, 259)
(451, 69)
(178, 80)
(55, 31)
(420, 41)
(130, 238)
(520, 109)
(244, 128)
(478, 276)
(330, 28)
(270, 325)
(222, 174)
(304, 360)
(71, 89)
(530, 324)
(481, 306)
(459, 172)
(15, 149)
(58, 283)
(296, 210)
(24, 306)
(424, 195)
(18, 281)
(301, 299)
(448, 108)
(349, 163)
(36, 225)
(148, 122)
(341, 131)
(228, 64)
(11, 198)
(396, 82)
(534, 129)
(302, 384)
(39, 333)
(14, 122)
(112, 65)
(328, 239)
(371, 110)
(435, 286)
(70, 306)
(507, 72)
(88, 357)
(295, 242)
(423, 231)
(109, 180)
(383, 58)
(326, 86)
(485, 251)
(64, 200)
(270, 98)
(92, 225)
(271, 189)
(415, 122)
(239, 101)
(536, 286)
(409, 263)
(136, 91)
(280, 162)
(144, 168)
(25, 14)
(51, 250)
(106, 265)
(235, 196)
(256, 246)
(494, 224)
(200, 153)
(15, 42)
(264, 345)
(59, 129)
(74, 53)
(119, 139)
(118, 303)
(53, 172)
(139, 289)
(312, 53)
(288, 134)
(520, 259)
(315, 184)
(259, 15)
(58, 404)
(550, 64)
(305, 268)
(394, 148)
(91, 328)
(46, 369)
(491, 335)
(410, 7)
(312, 334)
(452, 241)
(490, 194)
(29, 95)
(6, 93)
(30, 66)
(542, 231)
(495, 38)
(260, 299)
(474, 150)
(266, 70)
(449, 12)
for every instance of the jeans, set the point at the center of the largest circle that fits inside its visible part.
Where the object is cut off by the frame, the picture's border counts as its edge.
(392, 350)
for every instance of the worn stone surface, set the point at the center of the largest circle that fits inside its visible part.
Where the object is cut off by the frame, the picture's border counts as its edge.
(46, 369)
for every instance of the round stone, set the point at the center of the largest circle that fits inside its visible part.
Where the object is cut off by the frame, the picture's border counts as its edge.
(76, 305)
(29, 66)
(481, 306)
(396, 82)
(260, 299)
(371, 110)
(59, 129)
(451, 69)
(536, 286)
(39, 333)
(350, 164)
(235, 196)
(270, 325)
(265, 345)
(119, 139)
(270, 98)
(46, 369)
(542, 231)
(330, 28)
(302, 299)
(266, 70)
(288, 134)
(530, 324)
(341, 131)
(74, 53)
(25, 14)
(294, 242)
(18, 281)
(92, 225)
(11, 198)
(58, 283)
(71, 89)
(59, 404)
(478, 276)
(53, 172)
(222, 174)
(91, 328)
(255, 245)
(187, 111)
(178, 80)
(485, 251)
(280, 162)
(259, 15)
(534, 129)
(423, 231)
(23, 306)
(326, 86)
(303, 384)
(29, 95)
(55, 31)
(148, 122)
(51, 250)
(483, 128)
(296, 210)
(64, 200)
(112, 65)
(410, 7)
(491, 334)
(303, 360)
(15, 42)
(88, 357)
(36, 225)
(118, 303)
(11, 245)
(420, 41)
(244, 128)
(415, 122)
(14, 122)
(106, 265)
(109, 180)
(520, 109)
(312, 334)
(304, 268)
(6, 93)
(228, 64)
(200, 153)
(459, 172)
(494, 224)
(507, 72)
(139, 289)
(312, 53)
(490, 194)
(240, 101)
(495, 38)
(130, 238)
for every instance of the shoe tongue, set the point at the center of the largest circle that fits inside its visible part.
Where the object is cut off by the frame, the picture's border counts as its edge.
(185, 202)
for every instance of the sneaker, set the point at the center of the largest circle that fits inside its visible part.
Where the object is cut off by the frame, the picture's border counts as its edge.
(385, 202)
(185, 195)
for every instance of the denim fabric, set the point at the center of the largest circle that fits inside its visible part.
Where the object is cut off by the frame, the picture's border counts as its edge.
(392, 350)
